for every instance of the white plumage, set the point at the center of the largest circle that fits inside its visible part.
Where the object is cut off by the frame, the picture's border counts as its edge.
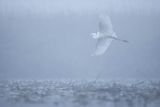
(104, 36)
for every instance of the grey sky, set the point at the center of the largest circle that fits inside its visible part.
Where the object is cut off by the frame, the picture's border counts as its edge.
(50, 39)
(77, 6)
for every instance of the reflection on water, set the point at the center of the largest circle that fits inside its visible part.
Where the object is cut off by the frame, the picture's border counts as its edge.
(110, 94)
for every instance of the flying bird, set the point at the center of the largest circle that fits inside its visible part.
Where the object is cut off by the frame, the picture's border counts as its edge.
(104, 36)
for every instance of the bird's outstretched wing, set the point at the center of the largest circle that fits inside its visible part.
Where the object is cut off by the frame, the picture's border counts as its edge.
(102, 45)
(105, 24)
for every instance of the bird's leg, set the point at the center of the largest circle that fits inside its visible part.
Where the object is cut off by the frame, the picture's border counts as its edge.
(121, 40)
(115, 38)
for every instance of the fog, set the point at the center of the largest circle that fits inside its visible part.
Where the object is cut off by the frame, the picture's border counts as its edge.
(49, 39)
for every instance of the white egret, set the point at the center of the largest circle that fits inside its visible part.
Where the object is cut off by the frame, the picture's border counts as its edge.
(104, 36)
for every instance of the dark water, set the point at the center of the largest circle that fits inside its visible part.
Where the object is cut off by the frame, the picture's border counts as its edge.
(75, 94)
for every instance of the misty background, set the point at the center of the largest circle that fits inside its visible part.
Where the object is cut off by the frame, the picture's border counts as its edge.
(49, 39)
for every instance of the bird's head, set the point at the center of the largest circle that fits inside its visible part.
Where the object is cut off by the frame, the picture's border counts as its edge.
(95, 35)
